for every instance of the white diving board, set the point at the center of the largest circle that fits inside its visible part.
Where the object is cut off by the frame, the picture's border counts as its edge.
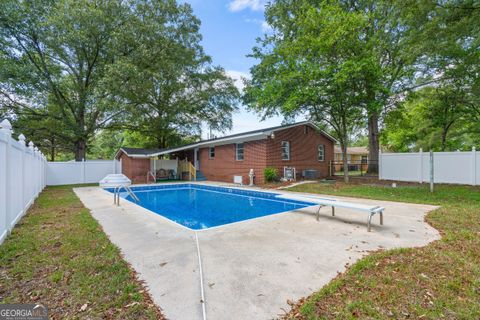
(325, 202)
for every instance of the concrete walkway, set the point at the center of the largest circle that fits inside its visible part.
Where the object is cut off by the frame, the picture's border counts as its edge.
(250, 268)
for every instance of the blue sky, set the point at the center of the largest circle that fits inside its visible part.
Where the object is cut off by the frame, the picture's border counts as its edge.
(229, 29)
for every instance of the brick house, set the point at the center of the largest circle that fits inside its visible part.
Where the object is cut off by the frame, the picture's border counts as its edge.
(302, 146)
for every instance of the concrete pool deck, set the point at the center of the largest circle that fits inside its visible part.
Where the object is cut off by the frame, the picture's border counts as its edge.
(250, 268)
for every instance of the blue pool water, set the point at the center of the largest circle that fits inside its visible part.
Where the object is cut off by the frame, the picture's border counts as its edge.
(200, 206)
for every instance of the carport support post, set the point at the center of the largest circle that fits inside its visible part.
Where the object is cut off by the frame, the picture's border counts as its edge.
(155, 168)
(431, 171)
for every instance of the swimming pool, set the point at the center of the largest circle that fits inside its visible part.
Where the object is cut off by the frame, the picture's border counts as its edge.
(200, 206)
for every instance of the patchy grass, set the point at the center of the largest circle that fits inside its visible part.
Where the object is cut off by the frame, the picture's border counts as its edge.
(59, 256)
(439, 281)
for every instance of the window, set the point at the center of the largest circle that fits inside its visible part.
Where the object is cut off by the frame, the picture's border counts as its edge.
(305, 130)
(211, 153)
(239, 152)
(321, 152)
(285, 150)
(364, 159)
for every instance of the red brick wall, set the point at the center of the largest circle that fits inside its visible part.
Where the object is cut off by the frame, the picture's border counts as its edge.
(135, 169)
(303, 150)
(267, 153)
(224, 166)
(258, 155)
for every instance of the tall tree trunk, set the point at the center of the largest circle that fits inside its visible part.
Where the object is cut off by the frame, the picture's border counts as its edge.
(444, 140)
(445, 130)
(52, 149)
(80, 149)
(373, 143)
(52, 153)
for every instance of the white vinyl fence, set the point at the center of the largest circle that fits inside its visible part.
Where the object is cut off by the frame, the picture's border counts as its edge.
(22, 177)
(60, 173)
(460, 167)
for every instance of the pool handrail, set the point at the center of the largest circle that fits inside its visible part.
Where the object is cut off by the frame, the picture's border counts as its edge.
(116, 194)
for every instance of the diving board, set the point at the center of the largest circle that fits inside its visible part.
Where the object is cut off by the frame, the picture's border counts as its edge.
(326, 202)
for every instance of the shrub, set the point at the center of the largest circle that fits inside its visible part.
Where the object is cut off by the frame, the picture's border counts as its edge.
(270, 174)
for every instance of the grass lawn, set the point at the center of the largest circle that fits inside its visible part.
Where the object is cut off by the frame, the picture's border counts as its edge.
(439, 281)
(59, 256)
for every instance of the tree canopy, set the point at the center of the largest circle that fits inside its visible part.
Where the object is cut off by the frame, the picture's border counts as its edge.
(358, 53)
(442, 113)
(305, 67)
(373, 56)
(90, 65)
(430, 119)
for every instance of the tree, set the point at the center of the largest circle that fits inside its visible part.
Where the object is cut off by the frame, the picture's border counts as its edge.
(44, 127)
(449, 40)
(138, 64)
(387, 47)
(444, 116)
(58, 51)
(46, 132)
(431, 119)
(370, 39)
(305, 67)
(167, 82)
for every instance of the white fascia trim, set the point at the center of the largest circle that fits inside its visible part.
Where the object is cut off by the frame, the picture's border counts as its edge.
(220, 141)
(135, 156)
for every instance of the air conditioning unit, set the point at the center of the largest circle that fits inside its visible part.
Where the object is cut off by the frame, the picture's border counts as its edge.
(310, 174)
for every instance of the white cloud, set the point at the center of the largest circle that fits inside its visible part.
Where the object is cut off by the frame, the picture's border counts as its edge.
(266, 28)
(254, 5)
(238, 77)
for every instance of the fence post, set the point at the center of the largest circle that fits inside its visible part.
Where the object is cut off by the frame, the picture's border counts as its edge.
(420, 152)
(31, 192)
(474, 158)
(380, 164)
(35, 159)
(4, 225)
(7, 130)
(431, 171)
(83, 170)
(21, 141)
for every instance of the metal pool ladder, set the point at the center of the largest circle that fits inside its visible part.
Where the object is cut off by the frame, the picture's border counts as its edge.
(116, 194)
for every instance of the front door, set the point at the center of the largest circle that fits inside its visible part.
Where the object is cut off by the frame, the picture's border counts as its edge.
(197, 159)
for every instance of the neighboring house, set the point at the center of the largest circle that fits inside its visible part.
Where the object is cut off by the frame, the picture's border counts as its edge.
(355, 156)
(301, 145)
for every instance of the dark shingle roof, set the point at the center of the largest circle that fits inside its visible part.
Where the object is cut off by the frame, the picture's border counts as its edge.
(145, 152)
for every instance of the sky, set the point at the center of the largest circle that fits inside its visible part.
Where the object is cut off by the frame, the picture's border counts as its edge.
(229, 29)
